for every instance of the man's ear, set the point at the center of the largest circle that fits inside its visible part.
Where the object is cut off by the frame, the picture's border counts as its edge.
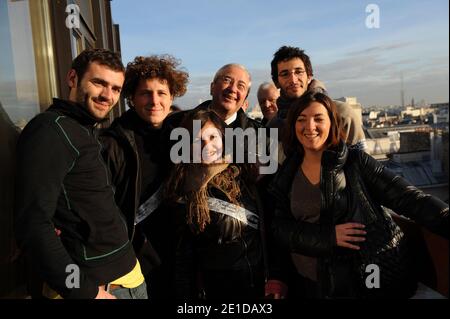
(211, 88)
(310, 78)
(72, 79)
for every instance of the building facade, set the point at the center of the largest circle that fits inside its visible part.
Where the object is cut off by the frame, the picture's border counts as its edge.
(39, 40)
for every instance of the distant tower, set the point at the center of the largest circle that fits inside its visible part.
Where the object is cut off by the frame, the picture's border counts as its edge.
(412, 102)
(402, 93)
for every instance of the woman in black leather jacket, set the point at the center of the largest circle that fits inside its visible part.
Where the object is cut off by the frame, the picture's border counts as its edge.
(329, 217)
(219, 252)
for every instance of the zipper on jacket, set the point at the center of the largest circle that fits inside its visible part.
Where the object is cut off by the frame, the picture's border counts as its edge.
(137, 195)
(138, 183)
(108, 182)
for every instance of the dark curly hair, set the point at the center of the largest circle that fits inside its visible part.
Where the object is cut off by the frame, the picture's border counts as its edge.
(286, 53)
(102, 56)
(163, 67)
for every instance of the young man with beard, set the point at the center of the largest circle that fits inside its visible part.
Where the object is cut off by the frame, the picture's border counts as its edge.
(292, 73)
(66, 215)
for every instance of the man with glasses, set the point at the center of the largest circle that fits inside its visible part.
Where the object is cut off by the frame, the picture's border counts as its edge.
(229, 90)
(292, 73)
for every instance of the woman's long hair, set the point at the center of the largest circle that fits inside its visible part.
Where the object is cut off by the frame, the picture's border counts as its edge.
(290, 141)
(190, 182)
(196, 199)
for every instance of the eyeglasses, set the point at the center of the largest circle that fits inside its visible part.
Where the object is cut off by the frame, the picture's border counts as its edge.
(286, 73)
(227, 80)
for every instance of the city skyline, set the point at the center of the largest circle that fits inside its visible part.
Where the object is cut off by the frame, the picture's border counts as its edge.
(350, 58)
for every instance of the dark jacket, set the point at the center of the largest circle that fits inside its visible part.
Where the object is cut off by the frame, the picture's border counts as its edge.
(63, 182)
(226, 260)
(353, 187)
(242, 120)
(124, 158)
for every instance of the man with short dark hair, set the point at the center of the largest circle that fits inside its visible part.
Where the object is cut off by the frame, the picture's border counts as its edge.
(292, 73)
(66, 215)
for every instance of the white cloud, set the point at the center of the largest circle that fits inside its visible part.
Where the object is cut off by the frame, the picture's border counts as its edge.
(366, 74)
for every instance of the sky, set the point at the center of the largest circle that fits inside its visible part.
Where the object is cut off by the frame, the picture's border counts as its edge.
(351, 59)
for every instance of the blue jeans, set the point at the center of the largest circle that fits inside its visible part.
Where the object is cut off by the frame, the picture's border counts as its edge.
(139, 292)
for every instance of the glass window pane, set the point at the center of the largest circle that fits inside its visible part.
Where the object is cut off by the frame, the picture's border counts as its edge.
(18, 86)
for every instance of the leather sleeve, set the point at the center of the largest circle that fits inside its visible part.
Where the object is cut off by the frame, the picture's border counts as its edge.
(396, 193)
